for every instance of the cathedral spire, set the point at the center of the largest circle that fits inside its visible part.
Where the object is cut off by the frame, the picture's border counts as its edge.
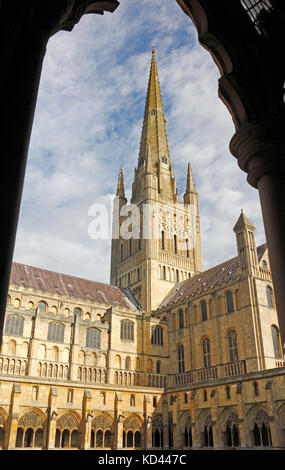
(153, 146)
(154, 176)
(120, 186)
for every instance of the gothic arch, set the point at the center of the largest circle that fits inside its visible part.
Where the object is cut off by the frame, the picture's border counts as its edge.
(227, 415)
(30, 429)
(132, 431)
(253, 412)
(102, 430)
(281, 416)
(183, 418)
(3, 427)
(67, 430)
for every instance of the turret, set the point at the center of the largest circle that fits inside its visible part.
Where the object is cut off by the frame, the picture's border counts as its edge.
(244, 230)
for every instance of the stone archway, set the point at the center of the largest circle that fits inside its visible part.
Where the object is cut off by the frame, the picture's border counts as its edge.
(229, 425)
(258, 421)
(68, 431)
(31, 429)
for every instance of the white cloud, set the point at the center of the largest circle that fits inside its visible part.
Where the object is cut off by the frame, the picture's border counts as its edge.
(88, 123)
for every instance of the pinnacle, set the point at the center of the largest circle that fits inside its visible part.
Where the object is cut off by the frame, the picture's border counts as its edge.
(243, 222)
(120, 186)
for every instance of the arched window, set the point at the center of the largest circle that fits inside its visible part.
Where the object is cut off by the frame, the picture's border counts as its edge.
(181, 363)
(233, 349)
(175, 244)
(162, 240)
(42, 307)
(158, 367)
(77, 311)
(181, 319)
(127, 363)
(154, 402)
(132, 400)
(187, 248)
(204, 310)
(206, 353)
(269, 294)
(276, 342)
(230, 302)
(152, 112)
(261, 430)
(205, 395)
(157, 335)
(55, 332)
(163, 272)
(255, 388)
(14, 325)
(127, 330)
(228, 392)
(93, 338)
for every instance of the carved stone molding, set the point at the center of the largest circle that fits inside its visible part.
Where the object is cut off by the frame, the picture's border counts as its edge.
(260, 149)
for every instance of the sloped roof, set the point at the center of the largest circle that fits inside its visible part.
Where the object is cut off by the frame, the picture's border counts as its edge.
(69, 286)
(206, 280)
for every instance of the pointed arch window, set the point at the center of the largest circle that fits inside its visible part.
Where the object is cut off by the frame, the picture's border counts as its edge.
(187, 248)
(162, 240)
(230, 301)
(181, 319)
(206, 353)
(152, 113)
(181, 363)
(204, 310)
(276, 342)
(127, 330)
(232, 343)
(157, 335)
(269, 294)
(175, 244)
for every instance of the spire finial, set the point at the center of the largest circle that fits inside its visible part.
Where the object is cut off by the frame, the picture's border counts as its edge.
(120, 186)
(153, 47)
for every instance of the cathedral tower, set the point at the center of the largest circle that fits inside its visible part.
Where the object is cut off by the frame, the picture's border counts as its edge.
(156, 238)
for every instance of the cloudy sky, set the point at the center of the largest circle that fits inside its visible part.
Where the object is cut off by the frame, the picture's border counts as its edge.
(88, 124)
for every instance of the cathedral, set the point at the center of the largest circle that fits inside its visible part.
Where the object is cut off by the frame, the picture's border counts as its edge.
(166, 356)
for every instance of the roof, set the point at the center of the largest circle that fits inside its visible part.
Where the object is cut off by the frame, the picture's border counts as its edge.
(206, 280)
(69, 286)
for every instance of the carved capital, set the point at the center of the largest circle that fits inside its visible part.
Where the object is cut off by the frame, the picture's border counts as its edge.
(260, 148)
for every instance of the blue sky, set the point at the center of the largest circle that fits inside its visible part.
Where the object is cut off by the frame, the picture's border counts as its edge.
(88, 123)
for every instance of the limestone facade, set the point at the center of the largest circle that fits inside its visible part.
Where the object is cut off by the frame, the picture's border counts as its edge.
(167, 356)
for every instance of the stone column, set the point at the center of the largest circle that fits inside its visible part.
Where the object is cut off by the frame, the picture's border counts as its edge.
(165, 422)
(52, 417)
(147, 423)
(260, 150)
(118, 421)
(14, 414)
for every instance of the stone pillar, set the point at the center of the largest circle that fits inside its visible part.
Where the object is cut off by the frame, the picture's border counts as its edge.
(75, 348)
(260, 149)
(14, 414)
(165, 422)
(147, 423)
(52, 417)
(118, 421)
(86, 419)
